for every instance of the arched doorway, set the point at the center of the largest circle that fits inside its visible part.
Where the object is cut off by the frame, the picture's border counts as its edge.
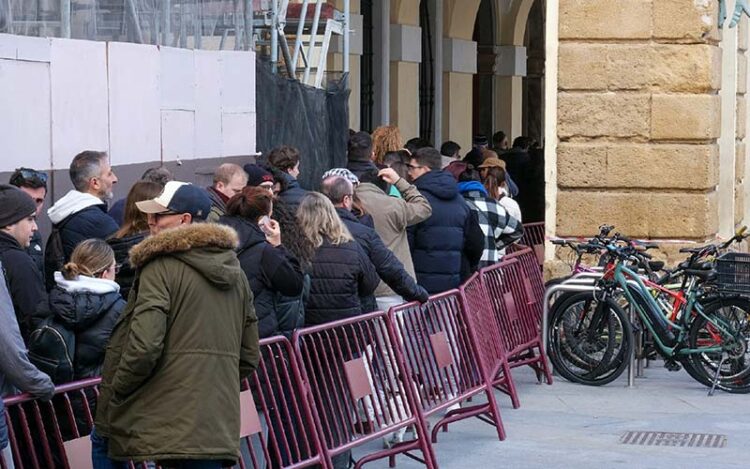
(484, 36)
(533, 82)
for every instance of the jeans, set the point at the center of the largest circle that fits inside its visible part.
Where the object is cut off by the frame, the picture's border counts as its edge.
(99, 450)
(8, 456)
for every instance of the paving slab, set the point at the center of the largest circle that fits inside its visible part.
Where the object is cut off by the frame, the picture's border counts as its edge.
(571, 425)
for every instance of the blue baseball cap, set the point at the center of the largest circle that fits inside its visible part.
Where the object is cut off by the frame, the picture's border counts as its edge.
(179, 197)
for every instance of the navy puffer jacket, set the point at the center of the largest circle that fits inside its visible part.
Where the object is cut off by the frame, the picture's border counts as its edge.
(388, 267)
(341, 275)
(449, 244)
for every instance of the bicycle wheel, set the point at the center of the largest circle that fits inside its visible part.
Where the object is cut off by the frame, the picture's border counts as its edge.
(734, 376)
(589, 340)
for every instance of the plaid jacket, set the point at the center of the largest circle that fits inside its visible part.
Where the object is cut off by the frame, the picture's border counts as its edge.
(499, 228)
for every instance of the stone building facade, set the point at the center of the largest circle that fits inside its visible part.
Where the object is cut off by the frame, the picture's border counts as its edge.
(642, 104)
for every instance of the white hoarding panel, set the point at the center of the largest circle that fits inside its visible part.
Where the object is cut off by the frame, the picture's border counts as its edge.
(177, 78)
(238, 134)
(24, 115)
(208, 142)
(80, 118)
(134, 97)
(177, 135)
(237, 81)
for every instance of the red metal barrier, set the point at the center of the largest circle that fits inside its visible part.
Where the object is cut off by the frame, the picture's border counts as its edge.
(37, 430)
(287, 436)
(278, 426)
(443, 362)
(514, 304)
(533, 282)
(533, 236)
(491, 348)
(356, 383)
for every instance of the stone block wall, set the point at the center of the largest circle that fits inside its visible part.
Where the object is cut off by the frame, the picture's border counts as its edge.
(741, 130)
(639, 117)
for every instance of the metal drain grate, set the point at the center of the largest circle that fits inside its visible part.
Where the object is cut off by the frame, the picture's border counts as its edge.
(694, 440)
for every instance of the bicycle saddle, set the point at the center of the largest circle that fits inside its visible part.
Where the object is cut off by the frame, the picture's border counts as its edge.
(655, 265)
(703, 275)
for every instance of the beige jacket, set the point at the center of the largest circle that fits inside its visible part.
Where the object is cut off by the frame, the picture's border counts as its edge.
(391, 216)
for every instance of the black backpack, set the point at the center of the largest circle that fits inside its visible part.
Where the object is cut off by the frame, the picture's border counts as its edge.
(54, 254)
(52, 350)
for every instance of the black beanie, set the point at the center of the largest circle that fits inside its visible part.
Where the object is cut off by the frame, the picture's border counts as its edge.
(15, 205)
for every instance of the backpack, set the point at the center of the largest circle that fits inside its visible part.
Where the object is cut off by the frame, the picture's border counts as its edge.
(290, 311)
(54, 254)
(52, 350)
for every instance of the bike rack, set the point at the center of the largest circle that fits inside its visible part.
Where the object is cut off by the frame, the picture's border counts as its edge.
(585, 282)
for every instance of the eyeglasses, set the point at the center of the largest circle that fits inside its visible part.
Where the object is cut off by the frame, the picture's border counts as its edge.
(23, 175)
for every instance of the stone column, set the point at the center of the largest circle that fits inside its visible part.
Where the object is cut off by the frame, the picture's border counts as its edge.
(638, 118)
(510, 68)
(459, 67)
(741, 132)
(405, 56)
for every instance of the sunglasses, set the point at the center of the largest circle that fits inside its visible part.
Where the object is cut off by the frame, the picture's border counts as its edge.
(25, 174)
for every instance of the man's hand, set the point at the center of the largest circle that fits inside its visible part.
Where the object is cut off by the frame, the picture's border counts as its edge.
(389, 175)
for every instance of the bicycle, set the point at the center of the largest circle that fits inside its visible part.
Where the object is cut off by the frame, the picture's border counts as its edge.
(592, 344)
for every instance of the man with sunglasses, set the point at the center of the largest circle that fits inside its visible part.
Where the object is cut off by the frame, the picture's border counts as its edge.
(34, 183)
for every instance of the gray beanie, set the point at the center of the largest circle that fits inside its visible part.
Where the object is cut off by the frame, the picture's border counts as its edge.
(15, 205)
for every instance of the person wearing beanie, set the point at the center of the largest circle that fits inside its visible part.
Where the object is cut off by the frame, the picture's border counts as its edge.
(25, 281)
(259, 177)
(34, 183)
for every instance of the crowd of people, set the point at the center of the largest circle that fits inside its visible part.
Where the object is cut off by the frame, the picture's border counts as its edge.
(166, 294)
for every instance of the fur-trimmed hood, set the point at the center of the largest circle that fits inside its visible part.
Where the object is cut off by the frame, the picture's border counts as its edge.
(207, 247)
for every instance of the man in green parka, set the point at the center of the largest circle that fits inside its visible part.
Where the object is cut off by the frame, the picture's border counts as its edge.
(171, 378)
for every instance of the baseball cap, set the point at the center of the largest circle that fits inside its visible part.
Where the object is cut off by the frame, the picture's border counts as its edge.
(179, 197)
(493, 163)
(257, 175)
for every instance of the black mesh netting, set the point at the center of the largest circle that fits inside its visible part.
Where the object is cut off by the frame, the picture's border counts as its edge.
(314, 120)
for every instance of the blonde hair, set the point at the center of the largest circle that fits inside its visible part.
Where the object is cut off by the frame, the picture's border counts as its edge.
(90, 258)
(319, 221)
(384, 139)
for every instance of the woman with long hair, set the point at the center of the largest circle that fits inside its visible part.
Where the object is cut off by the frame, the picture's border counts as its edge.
(134, 229)
(270, 269)
(341, 271)
(385, 139)
(494, 180)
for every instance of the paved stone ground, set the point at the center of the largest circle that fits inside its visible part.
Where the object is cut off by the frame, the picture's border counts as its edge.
(570, 425)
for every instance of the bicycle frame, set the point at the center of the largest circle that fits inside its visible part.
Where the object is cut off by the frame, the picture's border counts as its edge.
(623, 275)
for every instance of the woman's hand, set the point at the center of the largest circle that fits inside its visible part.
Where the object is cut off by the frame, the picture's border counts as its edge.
(273, 232)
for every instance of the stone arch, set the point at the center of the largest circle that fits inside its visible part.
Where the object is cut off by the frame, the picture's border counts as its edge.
(512, 24)
(459, 17)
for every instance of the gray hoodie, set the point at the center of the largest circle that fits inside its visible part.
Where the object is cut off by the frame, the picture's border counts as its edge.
(16, 371)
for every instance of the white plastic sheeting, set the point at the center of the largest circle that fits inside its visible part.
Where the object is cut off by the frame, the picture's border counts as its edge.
(199, 24)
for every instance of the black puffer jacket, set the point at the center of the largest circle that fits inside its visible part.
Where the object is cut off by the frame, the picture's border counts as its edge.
(91, 222)
(126, 274)
(90, 308)
(25, 284)
(293, 194)
(272, 273)
(448, 245)
(341, 275)
(388, 267)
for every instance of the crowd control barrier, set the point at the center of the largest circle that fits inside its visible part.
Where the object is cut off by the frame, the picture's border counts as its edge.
(514, 304)
(443, 362)
(533, 236)
(357, 384)
(491, 345)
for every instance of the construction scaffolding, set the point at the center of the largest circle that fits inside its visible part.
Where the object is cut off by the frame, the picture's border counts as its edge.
(295, 35)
